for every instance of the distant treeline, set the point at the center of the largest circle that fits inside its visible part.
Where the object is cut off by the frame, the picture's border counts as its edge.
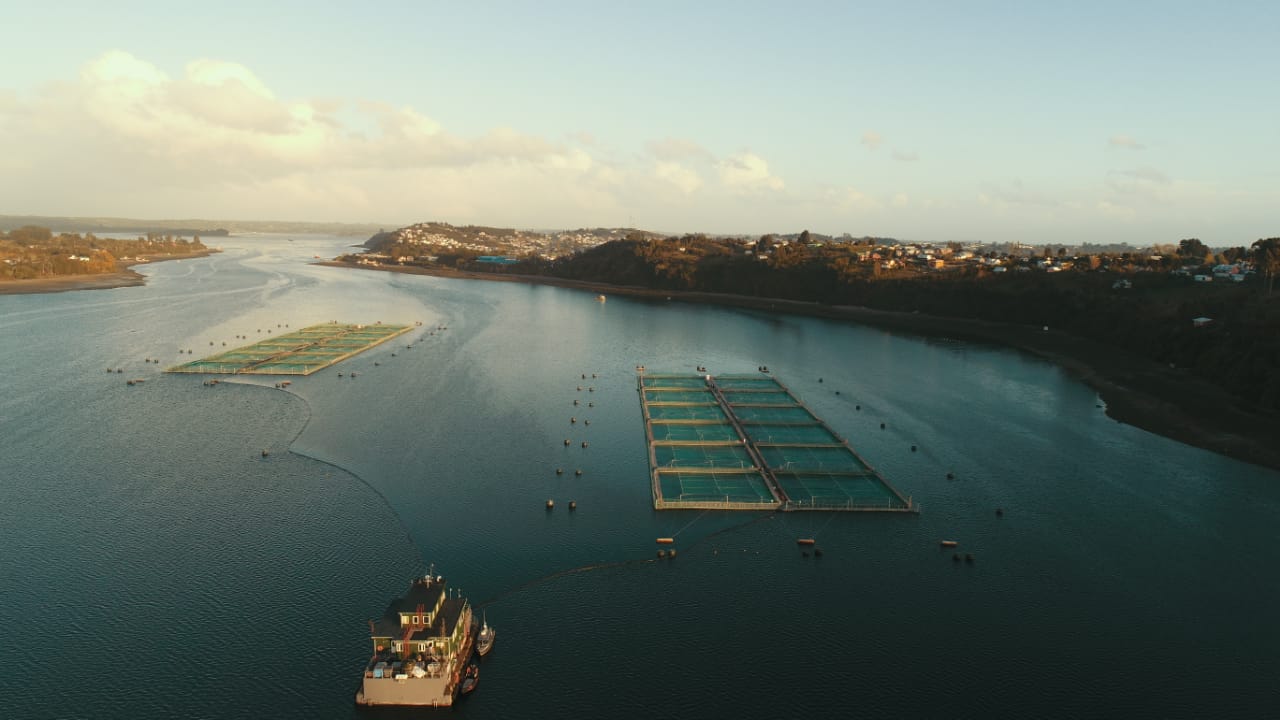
(35, 252)
(179, 228)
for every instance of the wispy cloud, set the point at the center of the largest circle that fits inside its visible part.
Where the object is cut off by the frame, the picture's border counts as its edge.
(1145, 174)
(850, 199)
(905, 156)
(872, 139)
(1014, 192)
(1125, 141)
(672, 149)
(1139, 185)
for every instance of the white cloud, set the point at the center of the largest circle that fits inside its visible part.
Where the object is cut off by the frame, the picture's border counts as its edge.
(900, 200)
(872, 139)
(749, 172)
(126, 138)
(684, 179)
(1125, 141)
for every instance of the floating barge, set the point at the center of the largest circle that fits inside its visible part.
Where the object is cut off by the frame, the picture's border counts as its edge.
(421, 646)
(744, 442)
(301, 352)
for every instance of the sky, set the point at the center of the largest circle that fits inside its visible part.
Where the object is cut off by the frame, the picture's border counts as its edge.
(1062, 123)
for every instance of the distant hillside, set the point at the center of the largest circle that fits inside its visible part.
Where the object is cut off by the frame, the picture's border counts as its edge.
(443, 239)
(185, 228)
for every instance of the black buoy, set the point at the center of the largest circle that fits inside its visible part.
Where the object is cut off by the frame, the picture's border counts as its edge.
(968, 557)
(573, 505)
(579, 388)
(586, 422)
(817, 552)
(559, 471)
(819, 379)
(566, 442)
(671, 553)
(951, 476)
(591, 404)
(662, 553)
(881, 426)
(575, 402)
(955, 557)
(913, 448)
(999, 512)
(577, 472)
(804, 553)
(855, 407)
(265, 453)
(591, 389)
(573, 420)
(584, 443)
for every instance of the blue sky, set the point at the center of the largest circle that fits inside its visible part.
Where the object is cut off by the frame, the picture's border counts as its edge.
(1138, 122)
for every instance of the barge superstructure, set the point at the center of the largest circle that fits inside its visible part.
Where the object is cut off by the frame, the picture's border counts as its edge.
(421, 646)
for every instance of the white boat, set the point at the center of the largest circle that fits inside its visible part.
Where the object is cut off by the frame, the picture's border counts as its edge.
(484, 641)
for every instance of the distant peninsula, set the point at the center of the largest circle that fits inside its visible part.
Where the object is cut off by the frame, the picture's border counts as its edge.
(184, 227)
(1178, 339)
(34, 260)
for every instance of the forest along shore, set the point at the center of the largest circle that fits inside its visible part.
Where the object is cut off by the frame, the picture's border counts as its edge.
(124, 276)
(1166, 401)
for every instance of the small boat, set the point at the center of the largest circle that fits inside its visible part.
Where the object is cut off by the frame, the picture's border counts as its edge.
(666, 541)
(484, 641)
(948, 543)
(805, 541)
(469, 678)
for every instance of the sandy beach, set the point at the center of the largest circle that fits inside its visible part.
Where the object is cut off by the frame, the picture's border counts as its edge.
(1167, 401)
(124, 276)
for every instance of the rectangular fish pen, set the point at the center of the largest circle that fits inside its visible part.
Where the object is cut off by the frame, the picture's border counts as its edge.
(744, 442)
(301, 352)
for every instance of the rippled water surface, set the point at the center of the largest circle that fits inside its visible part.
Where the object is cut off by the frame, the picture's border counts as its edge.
(154, 564)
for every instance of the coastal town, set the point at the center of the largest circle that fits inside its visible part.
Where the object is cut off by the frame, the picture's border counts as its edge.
(435, 243)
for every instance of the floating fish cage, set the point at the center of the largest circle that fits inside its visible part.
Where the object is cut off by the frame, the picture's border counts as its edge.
(301, 352)
(744, 442)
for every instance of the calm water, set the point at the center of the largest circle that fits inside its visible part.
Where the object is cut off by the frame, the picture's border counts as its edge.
(154, 564)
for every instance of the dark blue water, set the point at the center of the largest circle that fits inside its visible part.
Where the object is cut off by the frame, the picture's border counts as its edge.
(154, 564)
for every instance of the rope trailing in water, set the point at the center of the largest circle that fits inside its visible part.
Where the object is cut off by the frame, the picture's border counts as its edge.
(686, 527)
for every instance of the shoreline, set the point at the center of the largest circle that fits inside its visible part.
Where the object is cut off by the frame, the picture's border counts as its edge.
(1166, 401)
(124, 276)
